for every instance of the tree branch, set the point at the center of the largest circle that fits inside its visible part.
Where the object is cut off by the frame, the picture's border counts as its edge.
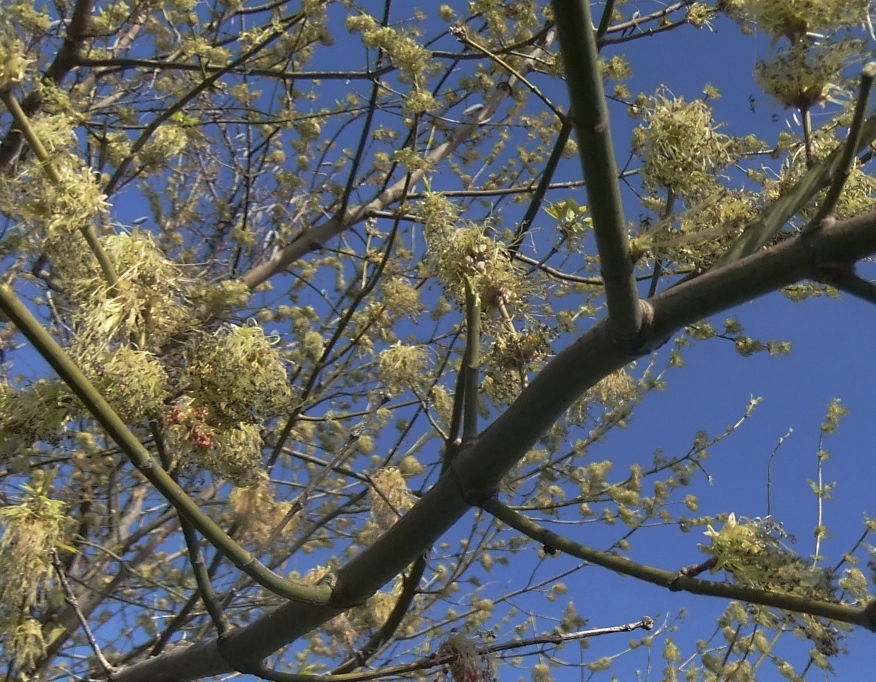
(680, 580)
(479, 468)
(590, 117)
(314, 237)
(758, 232)
(851, 146)
(140, 457)
(36, 145)
(64, 62)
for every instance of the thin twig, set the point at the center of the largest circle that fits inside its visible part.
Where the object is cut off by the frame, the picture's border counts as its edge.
(387, 630)
(820, 457)
(70, 598)
(462, 36)
(770, 471)
(87, 230)
(332, 465)
(435, 660)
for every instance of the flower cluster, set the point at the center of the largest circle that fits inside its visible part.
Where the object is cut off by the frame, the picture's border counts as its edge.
(680, 147)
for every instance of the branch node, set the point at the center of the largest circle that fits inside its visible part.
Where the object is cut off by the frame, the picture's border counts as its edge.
(643, 341)
(870, 615)
(834, 272)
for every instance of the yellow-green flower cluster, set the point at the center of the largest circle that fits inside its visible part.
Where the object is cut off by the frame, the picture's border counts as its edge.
(412, 59)
(133, 382)
(703, 232)
(680, 147)
(404, 51)
(236, 380)
(220, 297)
(165, 143)
(12, 61)
(237, 374)
(144, 307)
(794, 18)
(30, 530)
(60, 210)
(233, 453)
(753, 552)
(802, 75)
(257, 512)
(390, 497)
(460, 253)
(466, 664)
(27, 415)
(401, 365)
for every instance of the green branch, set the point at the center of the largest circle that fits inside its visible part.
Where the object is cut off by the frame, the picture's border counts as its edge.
(478, 469)
(843, 277)
(850, 148)
(387, 630)
(470, 363)
(140, 457)
(543, 185)
(677, 581)
(87, 230)
(589, 114)
(759, 231)
(202, 578)
(464, 415)
(605, 21)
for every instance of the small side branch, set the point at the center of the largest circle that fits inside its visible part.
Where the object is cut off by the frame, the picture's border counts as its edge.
(70, 598)
(589, 114)
(682, 580)
(440, 658)
(543, 185)
(846, 280)
(850, 148)
(202, 578)
(471, 362)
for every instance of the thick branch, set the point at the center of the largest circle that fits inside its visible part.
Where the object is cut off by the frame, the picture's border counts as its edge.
(590, 118)
(479, 468)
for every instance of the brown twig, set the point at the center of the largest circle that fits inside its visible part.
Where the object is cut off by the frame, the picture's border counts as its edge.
(440, 658)
(70, 598)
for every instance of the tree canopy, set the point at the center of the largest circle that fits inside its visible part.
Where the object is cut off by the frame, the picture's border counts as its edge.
(317, 316)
